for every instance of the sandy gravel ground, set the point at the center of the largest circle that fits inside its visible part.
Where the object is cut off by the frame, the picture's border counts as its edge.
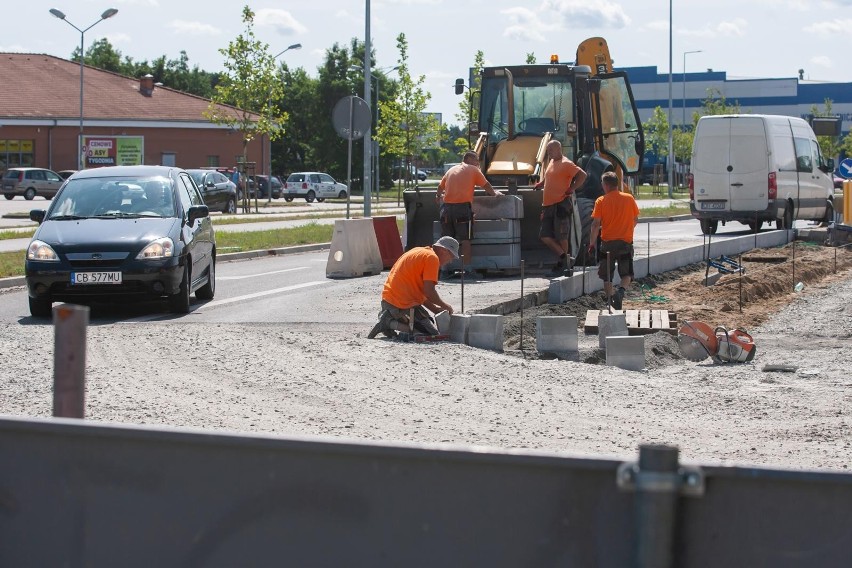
(321, 379)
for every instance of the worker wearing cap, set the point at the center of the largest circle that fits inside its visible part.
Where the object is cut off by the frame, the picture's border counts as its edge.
(409, 293)
(455, 194)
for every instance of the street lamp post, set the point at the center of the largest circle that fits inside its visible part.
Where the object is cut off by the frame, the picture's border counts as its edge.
(683, 119)
(670, 160)
(109, 13)
(268, 138)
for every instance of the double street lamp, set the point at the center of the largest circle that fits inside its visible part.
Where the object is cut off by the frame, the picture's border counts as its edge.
(109, 13)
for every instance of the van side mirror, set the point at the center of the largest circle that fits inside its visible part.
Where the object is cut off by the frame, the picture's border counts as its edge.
(829, 165)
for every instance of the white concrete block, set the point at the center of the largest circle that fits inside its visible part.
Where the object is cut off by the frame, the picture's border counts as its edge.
(486, 331)
(556, 333)
(614, 324)
(354, 250)
(505, 207)
(626, 352)
(442, 320)
(459, 325)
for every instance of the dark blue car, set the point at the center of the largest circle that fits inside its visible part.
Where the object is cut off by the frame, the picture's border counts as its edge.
(122, 233)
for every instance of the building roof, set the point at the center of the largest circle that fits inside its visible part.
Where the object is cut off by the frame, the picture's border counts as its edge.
(47, 87)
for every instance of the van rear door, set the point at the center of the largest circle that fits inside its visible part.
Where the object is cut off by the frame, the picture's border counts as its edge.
(749, 165)
(730, 165)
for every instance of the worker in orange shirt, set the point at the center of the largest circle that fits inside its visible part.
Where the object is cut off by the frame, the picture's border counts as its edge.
(562, 178)
(409, 293)
(615, 216)
(455, 196)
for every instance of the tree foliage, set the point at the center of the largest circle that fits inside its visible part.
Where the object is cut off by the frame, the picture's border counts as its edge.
(406, 129)
(249, 86)
(829, 145)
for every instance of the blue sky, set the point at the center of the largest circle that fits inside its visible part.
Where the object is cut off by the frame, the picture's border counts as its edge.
(745, 38)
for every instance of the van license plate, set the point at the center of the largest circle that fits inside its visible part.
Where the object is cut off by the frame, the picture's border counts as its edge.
(713, 205)
(96, 278)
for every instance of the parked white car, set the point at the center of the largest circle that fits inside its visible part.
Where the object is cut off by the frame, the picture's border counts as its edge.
(313, 186)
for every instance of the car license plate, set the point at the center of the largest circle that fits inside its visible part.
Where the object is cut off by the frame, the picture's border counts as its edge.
(712, 205)
(96, 278)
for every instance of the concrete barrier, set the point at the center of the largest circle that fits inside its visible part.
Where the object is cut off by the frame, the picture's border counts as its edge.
(610, 325)
(626, 352)
(354, 250)
(459, 326)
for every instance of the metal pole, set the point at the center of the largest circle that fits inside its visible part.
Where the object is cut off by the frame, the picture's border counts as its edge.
(378, 153)
(671, 141)
(522, 306)
(69, 360)
(368, 146)
(81, 160)
(656, 506)
(349, 163)
(685, 53)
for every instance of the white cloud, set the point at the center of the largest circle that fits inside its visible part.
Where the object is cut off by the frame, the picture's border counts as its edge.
(410, 2)
(822, 61)
(193, 28)
(281, 20)
(154, 3)
(15, 48)
(658, 26)
(584, 14)
(832, 27)
(525, 25)
(119, 38)
(734, 27)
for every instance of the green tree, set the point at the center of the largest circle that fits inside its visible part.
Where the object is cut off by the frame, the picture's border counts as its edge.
(467, 111)
(846, 144)
(829, 145)
(245, 98)
(530, 59)
(405, 128)
(101, 54)
(657, 132)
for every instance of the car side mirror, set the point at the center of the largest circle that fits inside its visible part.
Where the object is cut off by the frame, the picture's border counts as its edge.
(37, 215)
(829, 165)
(197, 212)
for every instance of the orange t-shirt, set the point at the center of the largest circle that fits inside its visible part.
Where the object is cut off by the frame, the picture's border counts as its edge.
(557, 180)
(460, 181)
(617, 212)
(404, 286)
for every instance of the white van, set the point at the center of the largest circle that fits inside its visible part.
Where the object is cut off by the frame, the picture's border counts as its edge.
(756, 168)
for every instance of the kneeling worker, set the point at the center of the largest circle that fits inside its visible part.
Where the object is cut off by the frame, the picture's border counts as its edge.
(409, 293)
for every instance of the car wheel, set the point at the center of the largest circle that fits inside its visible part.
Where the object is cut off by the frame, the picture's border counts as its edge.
(288, 199)
(320, 199)
(829, 212)
(207, 291)
(310, 196)
(179, 303)
(41, 307)
(29, 194)
(341, 195)
(230, 206)
(9, 196)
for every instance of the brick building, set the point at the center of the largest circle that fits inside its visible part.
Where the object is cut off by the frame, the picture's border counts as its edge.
(125, 120)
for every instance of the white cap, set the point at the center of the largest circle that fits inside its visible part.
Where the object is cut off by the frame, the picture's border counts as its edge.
(450, 244)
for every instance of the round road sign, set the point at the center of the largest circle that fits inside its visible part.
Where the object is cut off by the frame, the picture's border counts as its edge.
(351, 117)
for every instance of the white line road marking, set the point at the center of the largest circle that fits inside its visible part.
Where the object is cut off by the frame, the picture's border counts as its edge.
(218, 277)
(261, 294)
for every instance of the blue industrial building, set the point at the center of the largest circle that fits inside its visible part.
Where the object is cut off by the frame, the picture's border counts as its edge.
(790, 96)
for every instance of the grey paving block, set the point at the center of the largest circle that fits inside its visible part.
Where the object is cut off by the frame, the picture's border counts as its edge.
(556, 333)
(614, 324)
(486, 331)
(459, 325)
(626, 352)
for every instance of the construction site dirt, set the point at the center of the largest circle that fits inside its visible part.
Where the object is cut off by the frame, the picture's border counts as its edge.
(330, 380)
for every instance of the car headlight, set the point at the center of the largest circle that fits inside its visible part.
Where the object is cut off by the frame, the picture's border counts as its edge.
(158, 249)
(40, 250)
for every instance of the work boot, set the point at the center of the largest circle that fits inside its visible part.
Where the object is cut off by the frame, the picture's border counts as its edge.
(618, 298)
(383, 326)
(557, 268)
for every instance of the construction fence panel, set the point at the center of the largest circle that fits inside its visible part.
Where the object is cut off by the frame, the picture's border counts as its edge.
(75, 493)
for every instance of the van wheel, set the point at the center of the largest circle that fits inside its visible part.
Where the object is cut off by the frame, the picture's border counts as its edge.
(310, 196)
(755, 226)
(829, 212)
(709, 226)
(786, 222)
(29, 194)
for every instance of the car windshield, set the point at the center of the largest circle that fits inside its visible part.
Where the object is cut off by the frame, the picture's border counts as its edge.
(111, 198)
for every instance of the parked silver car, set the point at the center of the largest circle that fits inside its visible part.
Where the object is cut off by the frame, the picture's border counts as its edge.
(30, 182)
